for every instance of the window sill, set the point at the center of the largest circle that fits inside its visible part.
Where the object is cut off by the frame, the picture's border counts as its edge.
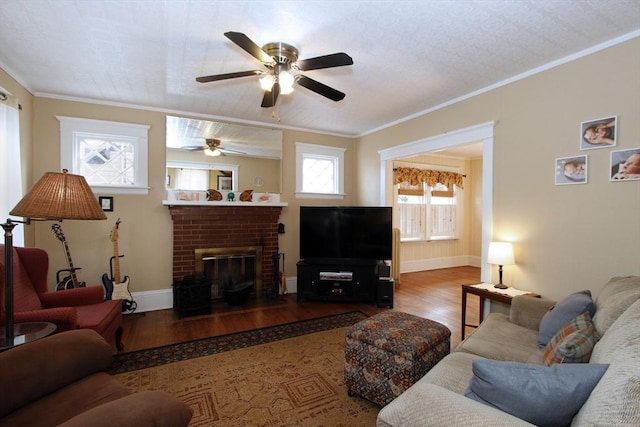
(120, 190)
(300, 195)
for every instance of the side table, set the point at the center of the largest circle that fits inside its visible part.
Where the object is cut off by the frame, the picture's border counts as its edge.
(26, 332)
(487, 291)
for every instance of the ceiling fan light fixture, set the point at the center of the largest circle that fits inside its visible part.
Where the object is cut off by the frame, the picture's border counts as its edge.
(286, 82)
(267, 81)
(212, 153)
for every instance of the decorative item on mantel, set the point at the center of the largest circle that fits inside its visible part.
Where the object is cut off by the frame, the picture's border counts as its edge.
(214, 195)
(245, 196)
(230, 196)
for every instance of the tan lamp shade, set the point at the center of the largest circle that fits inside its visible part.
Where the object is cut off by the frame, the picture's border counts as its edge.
(58, 196)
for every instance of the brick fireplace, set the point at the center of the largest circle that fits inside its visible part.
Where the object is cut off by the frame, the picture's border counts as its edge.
(205, 227)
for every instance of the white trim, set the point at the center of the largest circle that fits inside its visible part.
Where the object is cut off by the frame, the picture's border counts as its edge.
(437, 263)
(137, 134)
(483, 132)
(334, 154)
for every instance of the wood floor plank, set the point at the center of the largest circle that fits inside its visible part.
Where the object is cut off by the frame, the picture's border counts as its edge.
(433, 294)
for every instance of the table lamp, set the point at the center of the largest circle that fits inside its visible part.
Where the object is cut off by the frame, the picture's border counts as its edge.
(500, 253)
(56, 196)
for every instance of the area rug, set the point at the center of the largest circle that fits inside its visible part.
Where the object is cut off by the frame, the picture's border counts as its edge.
(284, 382)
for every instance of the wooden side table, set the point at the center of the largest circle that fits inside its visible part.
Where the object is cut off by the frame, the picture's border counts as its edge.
(487, 291)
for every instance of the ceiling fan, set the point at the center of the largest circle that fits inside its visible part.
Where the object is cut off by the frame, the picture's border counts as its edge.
(213, 148)
(280, 59)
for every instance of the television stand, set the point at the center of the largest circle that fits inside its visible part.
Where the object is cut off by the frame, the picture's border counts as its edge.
(337, 281)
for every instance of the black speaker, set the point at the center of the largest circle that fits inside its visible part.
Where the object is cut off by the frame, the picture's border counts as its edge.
(384, 293)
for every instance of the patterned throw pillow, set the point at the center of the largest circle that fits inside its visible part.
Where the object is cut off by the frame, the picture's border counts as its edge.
(573, 343)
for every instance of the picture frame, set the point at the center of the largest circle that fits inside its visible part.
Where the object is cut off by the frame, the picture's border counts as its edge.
(224, 183)
(106, 203)
(624, 165)
(599, 133)
(572, 170)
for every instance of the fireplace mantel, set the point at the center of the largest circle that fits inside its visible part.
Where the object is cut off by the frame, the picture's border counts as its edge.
(221, 203)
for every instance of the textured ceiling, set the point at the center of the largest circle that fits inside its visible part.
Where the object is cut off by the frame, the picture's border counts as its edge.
(409, 56)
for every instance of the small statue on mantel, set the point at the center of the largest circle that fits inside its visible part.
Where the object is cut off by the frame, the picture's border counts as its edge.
(231, 197)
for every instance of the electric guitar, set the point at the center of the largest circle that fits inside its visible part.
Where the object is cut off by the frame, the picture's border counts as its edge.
(70, 281)
(114, 287)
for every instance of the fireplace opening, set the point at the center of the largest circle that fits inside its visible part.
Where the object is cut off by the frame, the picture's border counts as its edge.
(234, 273)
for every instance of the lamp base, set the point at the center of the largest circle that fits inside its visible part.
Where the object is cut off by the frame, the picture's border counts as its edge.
(500, 286)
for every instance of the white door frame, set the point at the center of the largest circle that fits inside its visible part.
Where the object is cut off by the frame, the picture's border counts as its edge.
(484, 133)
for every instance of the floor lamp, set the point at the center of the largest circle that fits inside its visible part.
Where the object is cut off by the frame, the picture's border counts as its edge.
(56, 196)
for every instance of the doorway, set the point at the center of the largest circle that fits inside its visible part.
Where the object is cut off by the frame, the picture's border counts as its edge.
(483, 133)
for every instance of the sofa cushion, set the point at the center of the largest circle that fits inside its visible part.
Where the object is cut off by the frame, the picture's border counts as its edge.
(616, 398)
(614, 298)
(573, 343)
(491, 338)
(528, 391)
(563, 312)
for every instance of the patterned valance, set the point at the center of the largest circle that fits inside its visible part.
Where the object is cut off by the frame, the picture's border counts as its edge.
(415, 176)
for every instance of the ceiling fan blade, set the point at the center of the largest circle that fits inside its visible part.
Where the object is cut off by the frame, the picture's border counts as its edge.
(249, 46)
(320, 88)
(194, 147)
(216, 77)
(228, 150)
(326, 61)
(270, 97)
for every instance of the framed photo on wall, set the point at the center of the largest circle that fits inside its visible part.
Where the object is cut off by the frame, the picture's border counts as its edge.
(106, 203)
(625, 165)
(572, 170)
(599, 133)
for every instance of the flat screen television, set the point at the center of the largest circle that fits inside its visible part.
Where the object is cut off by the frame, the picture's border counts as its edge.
(345, 233)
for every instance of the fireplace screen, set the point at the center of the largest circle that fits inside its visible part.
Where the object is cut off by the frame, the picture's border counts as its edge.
(230, 268)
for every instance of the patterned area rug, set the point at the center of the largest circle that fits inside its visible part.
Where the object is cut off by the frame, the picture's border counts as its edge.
(289, 375)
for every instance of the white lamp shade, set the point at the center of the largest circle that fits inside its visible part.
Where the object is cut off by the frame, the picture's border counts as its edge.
(500, 253)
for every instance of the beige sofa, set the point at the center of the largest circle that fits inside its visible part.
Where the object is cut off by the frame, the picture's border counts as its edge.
(61, 381)
(438, 399)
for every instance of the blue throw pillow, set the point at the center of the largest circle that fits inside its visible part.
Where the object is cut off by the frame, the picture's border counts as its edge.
(562, 313)
(541, 395)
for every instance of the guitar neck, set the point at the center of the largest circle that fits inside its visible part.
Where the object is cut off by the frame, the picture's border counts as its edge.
(72, 270)
(116, 263)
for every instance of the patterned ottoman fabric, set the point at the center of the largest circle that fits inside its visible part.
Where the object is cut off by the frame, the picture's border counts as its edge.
(386, 353)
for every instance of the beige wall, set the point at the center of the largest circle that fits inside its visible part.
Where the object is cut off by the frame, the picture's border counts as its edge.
(145, 234)
(566, 238)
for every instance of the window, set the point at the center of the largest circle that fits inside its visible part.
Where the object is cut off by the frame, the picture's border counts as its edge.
(111, 156)
(319, 171)
(192, 179)
(427, 213)
(10, 161)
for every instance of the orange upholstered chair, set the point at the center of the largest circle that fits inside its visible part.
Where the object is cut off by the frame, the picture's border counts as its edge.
(78, 308)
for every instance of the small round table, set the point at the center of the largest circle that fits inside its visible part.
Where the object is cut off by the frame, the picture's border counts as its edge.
(26, 332)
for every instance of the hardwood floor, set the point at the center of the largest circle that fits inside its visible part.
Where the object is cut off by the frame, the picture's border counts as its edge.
(433, 294)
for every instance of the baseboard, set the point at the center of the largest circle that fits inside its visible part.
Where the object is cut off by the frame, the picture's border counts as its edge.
(437, 263)
(162, 299)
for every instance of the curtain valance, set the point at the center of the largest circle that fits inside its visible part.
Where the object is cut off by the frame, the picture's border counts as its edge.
(415, 176)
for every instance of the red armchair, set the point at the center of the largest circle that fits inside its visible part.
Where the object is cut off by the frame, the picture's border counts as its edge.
(78, 308)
